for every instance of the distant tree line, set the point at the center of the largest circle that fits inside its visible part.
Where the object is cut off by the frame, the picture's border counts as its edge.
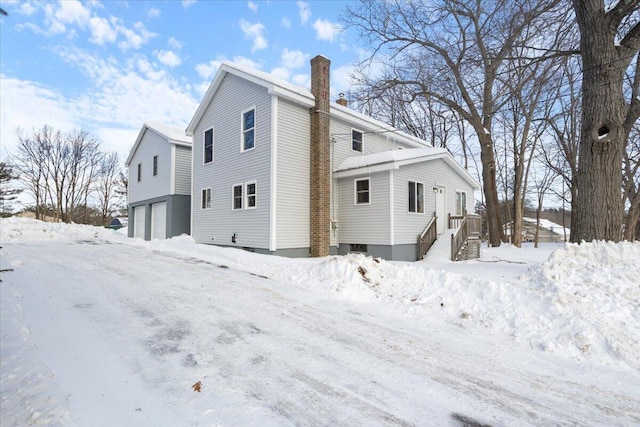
(68, 176)
(540, 97)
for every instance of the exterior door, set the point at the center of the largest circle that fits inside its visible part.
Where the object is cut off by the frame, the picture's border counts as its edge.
(159, 220)
(441, 210)
(138, 225)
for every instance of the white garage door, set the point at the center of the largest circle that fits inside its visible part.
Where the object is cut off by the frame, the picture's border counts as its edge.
(159, 220)
(138, 225)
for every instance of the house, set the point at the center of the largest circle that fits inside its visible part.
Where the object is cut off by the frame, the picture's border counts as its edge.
(159, 190)
(548, 231)
(280, 169)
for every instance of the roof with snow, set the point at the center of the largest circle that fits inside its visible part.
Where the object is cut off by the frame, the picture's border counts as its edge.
(174, 134)
(394, 159)
(298, 94)
(549, 225)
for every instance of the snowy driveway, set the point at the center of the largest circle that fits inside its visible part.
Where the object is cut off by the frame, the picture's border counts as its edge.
(102, 333)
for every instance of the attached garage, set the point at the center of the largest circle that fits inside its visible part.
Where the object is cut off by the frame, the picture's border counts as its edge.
(138, 218)
(159, 220)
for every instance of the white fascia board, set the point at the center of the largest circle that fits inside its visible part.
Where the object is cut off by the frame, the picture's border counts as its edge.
(366, 170)
(291, 96)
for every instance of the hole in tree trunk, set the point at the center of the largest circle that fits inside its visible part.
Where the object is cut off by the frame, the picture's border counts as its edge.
(603, 132)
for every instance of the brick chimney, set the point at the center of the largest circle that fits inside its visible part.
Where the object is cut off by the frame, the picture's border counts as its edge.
(342, 101)
(320, 219)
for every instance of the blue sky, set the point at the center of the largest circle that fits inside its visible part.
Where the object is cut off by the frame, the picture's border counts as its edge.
(109, 66)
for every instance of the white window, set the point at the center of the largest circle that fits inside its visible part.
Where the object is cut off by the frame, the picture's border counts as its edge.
(357, 141)
(206, 198)
(416, 197)
(461, 203)
(362, 188)
(237, 197)
(208, 146)
(250, 194)
(248, 129)
(155, 165)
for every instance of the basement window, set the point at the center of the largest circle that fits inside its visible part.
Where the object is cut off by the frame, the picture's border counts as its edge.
(357, 247)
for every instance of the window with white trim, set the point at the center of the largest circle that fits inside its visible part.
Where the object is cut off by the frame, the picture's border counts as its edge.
(155, 165)
(237, 197)
(208, 146)
(416, 197)
(248, 129)
(206, 198)
(357, 138)
(362, 191)
(250, 194)
(461, 203)
(139, 172)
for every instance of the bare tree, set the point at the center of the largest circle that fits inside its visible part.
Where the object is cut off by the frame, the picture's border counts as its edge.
(58, 170)
(453, 53)
(107, 185)
(631, 184)
(8, 193)
(610, 40)
(543, 178)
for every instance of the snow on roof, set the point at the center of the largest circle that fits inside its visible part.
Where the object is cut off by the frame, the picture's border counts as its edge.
(393, 159)
(549, 225)
(172, 133)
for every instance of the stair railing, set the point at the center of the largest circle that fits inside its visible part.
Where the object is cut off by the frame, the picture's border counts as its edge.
(427, 238)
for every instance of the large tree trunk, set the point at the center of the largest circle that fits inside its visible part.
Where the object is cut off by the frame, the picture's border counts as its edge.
(490, 189)
(604, 110)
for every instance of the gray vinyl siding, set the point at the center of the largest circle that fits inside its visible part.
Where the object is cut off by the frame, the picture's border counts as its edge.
(369, 223)
(292, 208)
(374, 141)
(436, 172)
(150, 186)
(230, 166)
(183, 170)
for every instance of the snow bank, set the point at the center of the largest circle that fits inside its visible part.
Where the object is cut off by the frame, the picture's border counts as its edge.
(583, 302)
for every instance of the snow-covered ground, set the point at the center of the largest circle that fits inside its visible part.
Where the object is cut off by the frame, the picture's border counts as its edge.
(101, 330)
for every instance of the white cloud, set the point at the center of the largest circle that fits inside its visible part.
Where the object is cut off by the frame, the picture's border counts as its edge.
(303, 11)
(293, 58)
(134, 38)
(302, 80)
(187, 3)
(326, 30)
(153, 13)
(101, 31)
(281, 72)
(286, 22)
(26, 9)
(253, 6)
(209, 69)
(341, 80)
(254, 32)
(168, 58)
(175, 43)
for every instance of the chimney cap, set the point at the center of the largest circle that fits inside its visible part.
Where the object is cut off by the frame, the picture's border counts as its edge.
(342, 100)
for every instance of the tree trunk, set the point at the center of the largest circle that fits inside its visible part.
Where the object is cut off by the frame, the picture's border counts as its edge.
(602, 136)
(490, 189)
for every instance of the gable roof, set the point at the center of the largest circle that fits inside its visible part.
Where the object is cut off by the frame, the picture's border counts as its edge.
(297, 94)
(173, 134)
(549, 225)
(394, 159)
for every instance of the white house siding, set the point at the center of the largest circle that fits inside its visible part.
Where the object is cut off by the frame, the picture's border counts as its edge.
(292, 214)
(230, 166)
(150, 186)
(183, 170)
(366, 224)
(408, 225)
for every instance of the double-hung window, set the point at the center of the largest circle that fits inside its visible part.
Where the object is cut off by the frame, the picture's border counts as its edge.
(248, 129)
(155, 165)
(237, 197)
(206, 198)
(362, 188)
(357, 141)
(208, 145)
(416, 197)
(461, 203)
(250, 194)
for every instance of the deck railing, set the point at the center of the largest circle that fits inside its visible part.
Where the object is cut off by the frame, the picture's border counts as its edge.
(427, 237)
(469, 227)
